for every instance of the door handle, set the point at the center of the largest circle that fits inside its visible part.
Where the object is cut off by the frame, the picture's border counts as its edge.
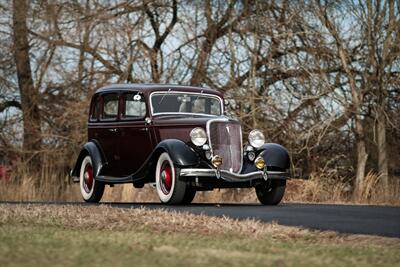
(114, 130)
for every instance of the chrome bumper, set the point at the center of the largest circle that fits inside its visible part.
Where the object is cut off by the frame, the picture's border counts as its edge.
(234, 177)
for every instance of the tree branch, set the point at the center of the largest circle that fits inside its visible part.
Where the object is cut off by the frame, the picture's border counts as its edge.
(8, 104)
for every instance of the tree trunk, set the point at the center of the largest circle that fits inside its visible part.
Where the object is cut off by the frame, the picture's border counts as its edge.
(199, 72)
(362, 157)
(155, 72)
(29, 94)
(382, 151)
(388, 59)
(252, 82)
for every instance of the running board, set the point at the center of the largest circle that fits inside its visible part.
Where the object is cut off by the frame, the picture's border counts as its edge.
(114, 180)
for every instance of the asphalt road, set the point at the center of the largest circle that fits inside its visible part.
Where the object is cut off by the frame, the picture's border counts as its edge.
(354, 219)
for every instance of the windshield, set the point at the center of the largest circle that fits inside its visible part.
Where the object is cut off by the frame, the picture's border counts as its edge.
(180, 102)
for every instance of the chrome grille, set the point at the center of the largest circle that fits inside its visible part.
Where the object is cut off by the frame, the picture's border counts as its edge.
(226, 141)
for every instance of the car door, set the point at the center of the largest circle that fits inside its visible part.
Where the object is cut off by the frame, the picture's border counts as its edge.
(135, 139)
(107, 133)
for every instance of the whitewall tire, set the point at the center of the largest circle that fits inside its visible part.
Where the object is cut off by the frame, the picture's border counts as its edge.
(91, 190)
(170, 189)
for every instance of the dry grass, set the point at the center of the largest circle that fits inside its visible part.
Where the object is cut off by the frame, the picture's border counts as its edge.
(103, 236)
(162, 221)
(50, 190)
(369, 186)
(326, 187)
(323, 189)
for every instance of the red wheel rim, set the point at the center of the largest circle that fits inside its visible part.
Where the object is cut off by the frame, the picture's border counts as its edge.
(88, 178)
(166, 177)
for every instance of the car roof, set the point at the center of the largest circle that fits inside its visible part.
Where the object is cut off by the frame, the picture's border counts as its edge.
(150, 87)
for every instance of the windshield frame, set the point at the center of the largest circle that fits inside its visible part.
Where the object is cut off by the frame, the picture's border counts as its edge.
(221, 102)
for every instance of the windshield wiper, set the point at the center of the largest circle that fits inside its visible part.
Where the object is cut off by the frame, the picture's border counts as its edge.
(162, 98)
(201, 93)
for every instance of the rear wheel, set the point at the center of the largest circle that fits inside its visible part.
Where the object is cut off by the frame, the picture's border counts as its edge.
(170, 189)
(272, 193)
(91, 190)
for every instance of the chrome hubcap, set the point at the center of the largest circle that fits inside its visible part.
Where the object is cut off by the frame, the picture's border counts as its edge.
(88, 178)
(166, 178)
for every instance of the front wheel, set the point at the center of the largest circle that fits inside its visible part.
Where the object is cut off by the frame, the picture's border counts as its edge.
(91, 190)
(189, 196)
(271, 194)
(170, 189)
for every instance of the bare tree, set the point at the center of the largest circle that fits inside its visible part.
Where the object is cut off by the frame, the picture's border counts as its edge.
(355, 106)
(159, 38)
(29, 94)
(295, 69)
(382, 35)
(214, 30)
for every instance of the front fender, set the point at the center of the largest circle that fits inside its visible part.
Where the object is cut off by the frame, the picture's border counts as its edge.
(91, 149)
(275, 156)
(181, 154)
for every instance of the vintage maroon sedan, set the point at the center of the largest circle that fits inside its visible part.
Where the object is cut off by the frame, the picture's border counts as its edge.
(178, 138)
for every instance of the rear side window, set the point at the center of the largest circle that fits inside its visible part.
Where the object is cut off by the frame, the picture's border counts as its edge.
(134, 106)
(95, 109)
(110, 106)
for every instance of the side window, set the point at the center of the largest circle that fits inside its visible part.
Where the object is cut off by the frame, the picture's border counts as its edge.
(110, 106)
(134, 106)
(95, 108)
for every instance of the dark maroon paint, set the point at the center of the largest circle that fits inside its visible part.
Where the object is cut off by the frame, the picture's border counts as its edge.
(128, 143)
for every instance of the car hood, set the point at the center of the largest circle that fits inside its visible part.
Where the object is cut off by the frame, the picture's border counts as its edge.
(179, 126)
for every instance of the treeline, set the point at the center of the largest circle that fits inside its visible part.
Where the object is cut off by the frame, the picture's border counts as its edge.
(320, 77)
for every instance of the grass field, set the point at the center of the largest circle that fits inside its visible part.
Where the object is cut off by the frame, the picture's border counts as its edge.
(103, 236)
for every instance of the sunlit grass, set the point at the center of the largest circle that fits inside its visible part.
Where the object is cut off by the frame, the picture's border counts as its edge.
(103, 236)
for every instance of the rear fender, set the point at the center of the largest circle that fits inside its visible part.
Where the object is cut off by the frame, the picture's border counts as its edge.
(91, 149)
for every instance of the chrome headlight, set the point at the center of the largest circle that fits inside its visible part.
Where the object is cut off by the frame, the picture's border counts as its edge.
(198, 136)
(256, 138)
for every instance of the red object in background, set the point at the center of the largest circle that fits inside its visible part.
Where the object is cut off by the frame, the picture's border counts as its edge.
(5, 172)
